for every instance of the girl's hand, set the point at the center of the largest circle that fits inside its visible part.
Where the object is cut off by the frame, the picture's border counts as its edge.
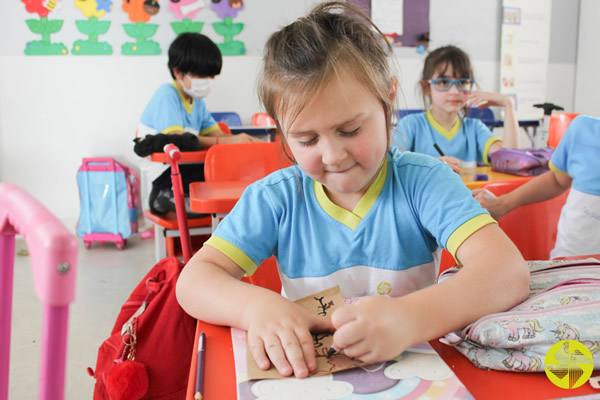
(281, 333)
(487, 99)
(452, 162)
(373, 329)
(490, 202)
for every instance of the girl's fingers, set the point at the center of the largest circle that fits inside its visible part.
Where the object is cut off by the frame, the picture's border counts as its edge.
(342, 316)
(308, 350)
(257, 349)
(276, 354)
(294, 355)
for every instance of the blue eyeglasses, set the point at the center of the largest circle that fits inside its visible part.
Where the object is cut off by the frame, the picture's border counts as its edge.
(444, 84)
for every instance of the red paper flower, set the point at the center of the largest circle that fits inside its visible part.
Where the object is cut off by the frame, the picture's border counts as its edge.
(36, 7)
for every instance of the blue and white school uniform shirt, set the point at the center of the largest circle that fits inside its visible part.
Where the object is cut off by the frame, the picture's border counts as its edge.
(168, 111)
(384, 246)
(578, 156)
(469, 140)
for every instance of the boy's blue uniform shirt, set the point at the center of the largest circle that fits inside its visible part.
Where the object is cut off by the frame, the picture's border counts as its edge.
(469, 139)
(168, 111)
(384, 246)
(578, 154)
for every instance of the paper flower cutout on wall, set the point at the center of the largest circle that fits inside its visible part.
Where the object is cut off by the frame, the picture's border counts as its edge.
(227, 10)
(185, 10)
(44, 27)
(92, 27)
(140, 12)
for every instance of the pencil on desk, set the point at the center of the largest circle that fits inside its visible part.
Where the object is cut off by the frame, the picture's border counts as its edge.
(438, 149)
(200, 367)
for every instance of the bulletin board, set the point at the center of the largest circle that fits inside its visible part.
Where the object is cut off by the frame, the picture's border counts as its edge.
(404, 22)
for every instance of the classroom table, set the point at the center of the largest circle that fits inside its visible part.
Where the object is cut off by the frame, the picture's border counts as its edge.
(468, 176)
(220, 381)
(215, 198)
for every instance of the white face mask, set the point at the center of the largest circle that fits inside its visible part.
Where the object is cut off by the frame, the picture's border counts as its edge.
(200, 87)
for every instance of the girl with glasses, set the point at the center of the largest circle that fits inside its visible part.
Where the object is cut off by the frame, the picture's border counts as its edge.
(443, 130)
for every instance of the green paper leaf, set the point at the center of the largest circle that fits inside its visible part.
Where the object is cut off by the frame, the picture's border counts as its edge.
(53, 26)
(132, 30)
(148, 30)
(35, 25)
(90, 27)
(226, 29)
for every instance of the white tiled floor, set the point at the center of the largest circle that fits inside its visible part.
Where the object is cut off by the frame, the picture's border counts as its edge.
(105, 278)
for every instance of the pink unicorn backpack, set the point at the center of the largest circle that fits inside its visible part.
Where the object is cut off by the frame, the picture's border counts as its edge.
(109, 201)
(563, 304)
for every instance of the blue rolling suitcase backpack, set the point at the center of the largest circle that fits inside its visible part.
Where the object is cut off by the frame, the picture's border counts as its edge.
(109, 202)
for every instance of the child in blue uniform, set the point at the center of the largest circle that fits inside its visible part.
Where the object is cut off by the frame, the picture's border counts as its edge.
(575, 165)
(447, 83)
(353, 212)
(178, 107)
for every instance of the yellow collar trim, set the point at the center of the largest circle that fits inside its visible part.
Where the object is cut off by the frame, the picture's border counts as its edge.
(353, 218)
(186, 104)
(448, 134)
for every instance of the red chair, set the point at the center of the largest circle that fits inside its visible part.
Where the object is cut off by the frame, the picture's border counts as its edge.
(243, 161)
(559, 122)
(532, 228)
(262, 119)
(53, 252)
(248, 162)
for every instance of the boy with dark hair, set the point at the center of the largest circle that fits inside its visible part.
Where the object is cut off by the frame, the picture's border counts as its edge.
(178, 107)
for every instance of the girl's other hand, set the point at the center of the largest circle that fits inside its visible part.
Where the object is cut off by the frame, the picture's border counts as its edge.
(373, 329)
(452, 162)
(490, 202)
(487, 99)
(281, 334)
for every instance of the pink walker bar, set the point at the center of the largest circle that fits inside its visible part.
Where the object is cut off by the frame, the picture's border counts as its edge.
(53, 252)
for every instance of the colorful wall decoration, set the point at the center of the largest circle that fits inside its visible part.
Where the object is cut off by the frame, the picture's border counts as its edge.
(185, 11)
(44, 27)
(227, 10)
(140, 12)
(88, 26)
(92, 27)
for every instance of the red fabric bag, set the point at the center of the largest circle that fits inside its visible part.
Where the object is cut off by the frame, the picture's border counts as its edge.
(162, 335)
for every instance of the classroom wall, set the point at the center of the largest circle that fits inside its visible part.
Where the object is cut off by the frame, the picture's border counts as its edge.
(587, 85)
(55, 110)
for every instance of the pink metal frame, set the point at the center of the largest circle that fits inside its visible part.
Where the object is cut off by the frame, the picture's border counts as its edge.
(53, 254)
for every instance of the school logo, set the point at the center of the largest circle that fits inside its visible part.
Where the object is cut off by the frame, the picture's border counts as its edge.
(568, 364)
(384, 288)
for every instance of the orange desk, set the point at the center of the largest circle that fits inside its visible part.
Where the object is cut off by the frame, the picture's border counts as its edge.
(468, 176)
(220, 382)
(215, 197)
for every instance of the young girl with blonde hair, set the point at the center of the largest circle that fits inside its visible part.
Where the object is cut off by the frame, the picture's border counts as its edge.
(352, 212)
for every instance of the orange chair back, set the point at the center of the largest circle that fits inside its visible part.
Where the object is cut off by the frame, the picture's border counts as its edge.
(559, 122)
(248, 162)
(262, 119)
(532, 227)
(243, 161)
